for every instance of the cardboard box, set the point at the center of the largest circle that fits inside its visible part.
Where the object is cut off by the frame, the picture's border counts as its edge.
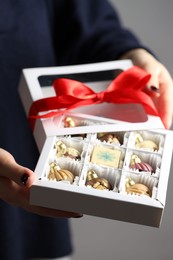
(91, 120)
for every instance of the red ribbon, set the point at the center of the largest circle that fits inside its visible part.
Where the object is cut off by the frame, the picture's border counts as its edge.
(126, 88)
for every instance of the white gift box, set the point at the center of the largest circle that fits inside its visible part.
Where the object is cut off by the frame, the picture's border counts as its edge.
(125, 121)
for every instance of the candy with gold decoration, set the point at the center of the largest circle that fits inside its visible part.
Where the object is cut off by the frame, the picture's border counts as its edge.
(63, 150)
(69, 122)
(142, 167)
(134, 159)
(91, 174)
(137, 188)
(138, 138)
(137, 164)
(72, 153)
(58, 174)
(99, 184)
(149, 144)
(108, 137)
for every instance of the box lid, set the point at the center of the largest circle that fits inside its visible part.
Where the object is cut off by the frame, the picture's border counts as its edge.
(36, 83)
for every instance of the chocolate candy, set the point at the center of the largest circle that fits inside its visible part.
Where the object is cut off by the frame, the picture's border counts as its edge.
(108, 137)
(134, 159)
(72, 153)
(99, 184)
(137, 164)
(58, 174)
(147, 144)
(137, 188)
(141, 143)
(106, 156)
(91, 174)
(69, 122)
(138, 138)
(142, 166)
(63, 150)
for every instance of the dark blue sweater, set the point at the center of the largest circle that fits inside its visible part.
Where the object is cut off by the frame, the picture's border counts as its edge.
(38, 34)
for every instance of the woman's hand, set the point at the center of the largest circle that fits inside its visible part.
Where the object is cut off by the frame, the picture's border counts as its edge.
(160, 86)
(15, 183)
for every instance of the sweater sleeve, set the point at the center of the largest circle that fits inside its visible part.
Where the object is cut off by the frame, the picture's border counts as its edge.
(90, 31)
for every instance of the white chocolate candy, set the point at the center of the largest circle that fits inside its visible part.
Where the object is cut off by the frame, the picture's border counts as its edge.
(63, 150)
(99, 184)
(147, 144)
(106, 156)
(69, 122)
(137, 188)
(134, 159)
(138, 138)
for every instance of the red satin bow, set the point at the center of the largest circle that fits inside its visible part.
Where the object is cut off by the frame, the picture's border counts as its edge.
(70, 94)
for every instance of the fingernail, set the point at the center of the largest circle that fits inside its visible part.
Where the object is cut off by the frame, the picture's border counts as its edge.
(24, 179)
(155, 89)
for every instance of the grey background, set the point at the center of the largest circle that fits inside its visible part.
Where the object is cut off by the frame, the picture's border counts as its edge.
(97, 238)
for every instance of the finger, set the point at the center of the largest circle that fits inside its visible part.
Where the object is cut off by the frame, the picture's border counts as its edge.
(165, 105)
(153, 87)
(10, 191)
(12, 170)
(152, 91)
(160, 88)
(17, 195)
